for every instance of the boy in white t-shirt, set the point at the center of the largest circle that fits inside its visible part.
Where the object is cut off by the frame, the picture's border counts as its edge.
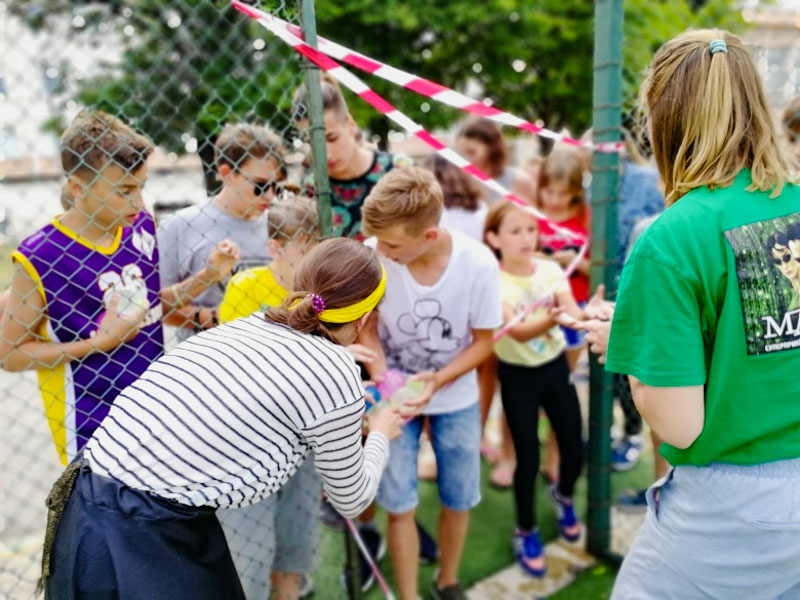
(436, 321)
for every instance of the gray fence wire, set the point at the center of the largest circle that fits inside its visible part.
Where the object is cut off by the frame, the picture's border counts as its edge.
(178, 74)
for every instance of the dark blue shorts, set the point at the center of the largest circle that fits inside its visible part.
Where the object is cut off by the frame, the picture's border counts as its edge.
(117, 542)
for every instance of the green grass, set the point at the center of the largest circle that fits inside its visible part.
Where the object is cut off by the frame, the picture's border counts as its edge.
(487, 549)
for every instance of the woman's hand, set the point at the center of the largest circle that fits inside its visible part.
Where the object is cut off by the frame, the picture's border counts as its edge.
(387, 421)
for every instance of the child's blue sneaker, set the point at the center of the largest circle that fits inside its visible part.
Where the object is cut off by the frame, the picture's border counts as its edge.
(569, 526)
(626, 452)
(529, 552)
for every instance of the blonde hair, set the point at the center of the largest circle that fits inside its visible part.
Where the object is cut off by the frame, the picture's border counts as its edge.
(410, 196)
(293, 217)
(708, 116)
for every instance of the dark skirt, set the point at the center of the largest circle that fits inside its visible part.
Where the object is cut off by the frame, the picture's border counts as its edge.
(117, 542)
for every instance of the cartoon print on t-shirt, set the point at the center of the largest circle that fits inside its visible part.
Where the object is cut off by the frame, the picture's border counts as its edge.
(432, 338)
(130, 289)
(768, 270)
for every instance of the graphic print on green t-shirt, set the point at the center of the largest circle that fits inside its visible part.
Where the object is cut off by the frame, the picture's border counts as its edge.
(768, 269)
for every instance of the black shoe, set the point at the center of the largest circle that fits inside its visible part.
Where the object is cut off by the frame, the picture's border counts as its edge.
(428, 550)
(451, 592)
(376, 545)
(329, 516)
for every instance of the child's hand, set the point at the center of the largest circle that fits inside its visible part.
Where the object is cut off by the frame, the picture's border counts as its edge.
(361, 353)
(222, 259)
(413, 408)
(115, 329)
(388, 422)
(599, 307)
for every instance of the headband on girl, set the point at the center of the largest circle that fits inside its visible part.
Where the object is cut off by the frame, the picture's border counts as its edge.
(718, 46)
(346, 314)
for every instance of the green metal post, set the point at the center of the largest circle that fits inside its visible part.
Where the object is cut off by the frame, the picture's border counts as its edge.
(607, 116)
(316, 121)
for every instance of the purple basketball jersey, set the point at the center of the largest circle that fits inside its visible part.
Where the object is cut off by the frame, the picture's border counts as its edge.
(78, 280)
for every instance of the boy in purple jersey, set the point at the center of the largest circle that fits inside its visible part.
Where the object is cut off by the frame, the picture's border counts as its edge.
(85, 303)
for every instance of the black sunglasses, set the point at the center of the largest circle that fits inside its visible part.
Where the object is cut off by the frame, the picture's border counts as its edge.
(782, 259)
(261, 187)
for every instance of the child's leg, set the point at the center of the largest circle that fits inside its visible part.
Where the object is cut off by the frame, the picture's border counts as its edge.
(456, 442)
(453, 525)
(251, 536)
(397, 494)
(519, 392)
(561, 404)
(404, 550)
(296, 530)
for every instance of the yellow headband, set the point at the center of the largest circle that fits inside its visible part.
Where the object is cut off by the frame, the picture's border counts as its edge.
(346, 314)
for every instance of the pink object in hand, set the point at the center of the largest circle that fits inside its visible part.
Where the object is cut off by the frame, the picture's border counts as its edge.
(392, 381)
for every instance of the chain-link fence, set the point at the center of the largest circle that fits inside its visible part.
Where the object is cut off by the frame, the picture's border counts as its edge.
(183, 109)
(210, 93)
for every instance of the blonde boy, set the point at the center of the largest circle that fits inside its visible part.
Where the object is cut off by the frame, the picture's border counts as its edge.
(435, 322)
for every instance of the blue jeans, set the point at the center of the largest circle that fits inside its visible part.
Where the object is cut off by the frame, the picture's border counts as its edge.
(721, 531)
(456, 439)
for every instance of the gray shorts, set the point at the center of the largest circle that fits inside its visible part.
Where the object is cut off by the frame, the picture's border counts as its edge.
(280, 533)
(721, 531)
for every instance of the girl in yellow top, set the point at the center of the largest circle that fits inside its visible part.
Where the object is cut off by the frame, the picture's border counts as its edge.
(533, 372)
(293, 229)
(273, 542)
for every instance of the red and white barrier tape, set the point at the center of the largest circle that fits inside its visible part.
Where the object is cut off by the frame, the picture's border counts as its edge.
(361, 89)
(543, 298)
(438, 92)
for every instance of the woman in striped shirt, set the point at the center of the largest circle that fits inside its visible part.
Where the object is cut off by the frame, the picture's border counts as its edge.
(222, 421)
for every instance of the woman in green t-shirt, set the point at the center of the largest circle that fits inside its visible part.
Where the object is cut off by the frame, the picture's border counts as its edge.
(705, 328)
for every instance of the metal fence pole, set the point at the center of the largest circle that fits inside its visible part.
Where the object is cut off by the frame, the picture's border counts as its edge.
(605, 195)
(316, 121)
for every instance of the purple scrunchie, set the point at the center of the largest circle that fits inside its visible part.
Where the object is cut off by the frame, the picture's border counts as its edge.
(317, 303)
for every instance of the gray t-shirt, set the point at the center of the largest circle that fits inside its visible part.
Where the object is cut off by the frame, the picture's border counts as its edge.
(185, 241)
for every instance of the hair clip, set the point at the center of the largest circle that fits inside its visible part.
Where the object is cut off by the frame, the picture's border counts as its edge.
(718, 46)
(317, 303)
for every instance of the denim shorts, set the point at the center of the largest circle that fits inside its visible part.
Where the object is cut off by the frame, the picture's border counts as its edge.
(721, 531)
(280, 533)
(456, 439)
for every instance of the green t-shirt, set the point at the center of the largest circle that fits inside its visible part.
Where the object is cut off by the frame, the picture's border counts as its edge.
(708, 297)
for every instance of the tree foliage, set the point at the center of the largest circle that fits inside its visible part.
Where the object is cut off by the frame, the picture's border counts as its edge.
(188, 67)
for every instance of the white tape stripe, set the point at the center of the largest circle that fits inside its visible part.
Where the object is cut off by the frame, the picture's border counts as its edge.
(453, 98)
(349, 80)
(406, 123)
(508, 119)
(393, 75)
(454, 157)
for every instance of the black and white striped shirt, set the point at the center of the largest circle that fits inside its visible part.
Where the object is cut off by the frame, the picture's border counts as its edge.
(228, 416)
